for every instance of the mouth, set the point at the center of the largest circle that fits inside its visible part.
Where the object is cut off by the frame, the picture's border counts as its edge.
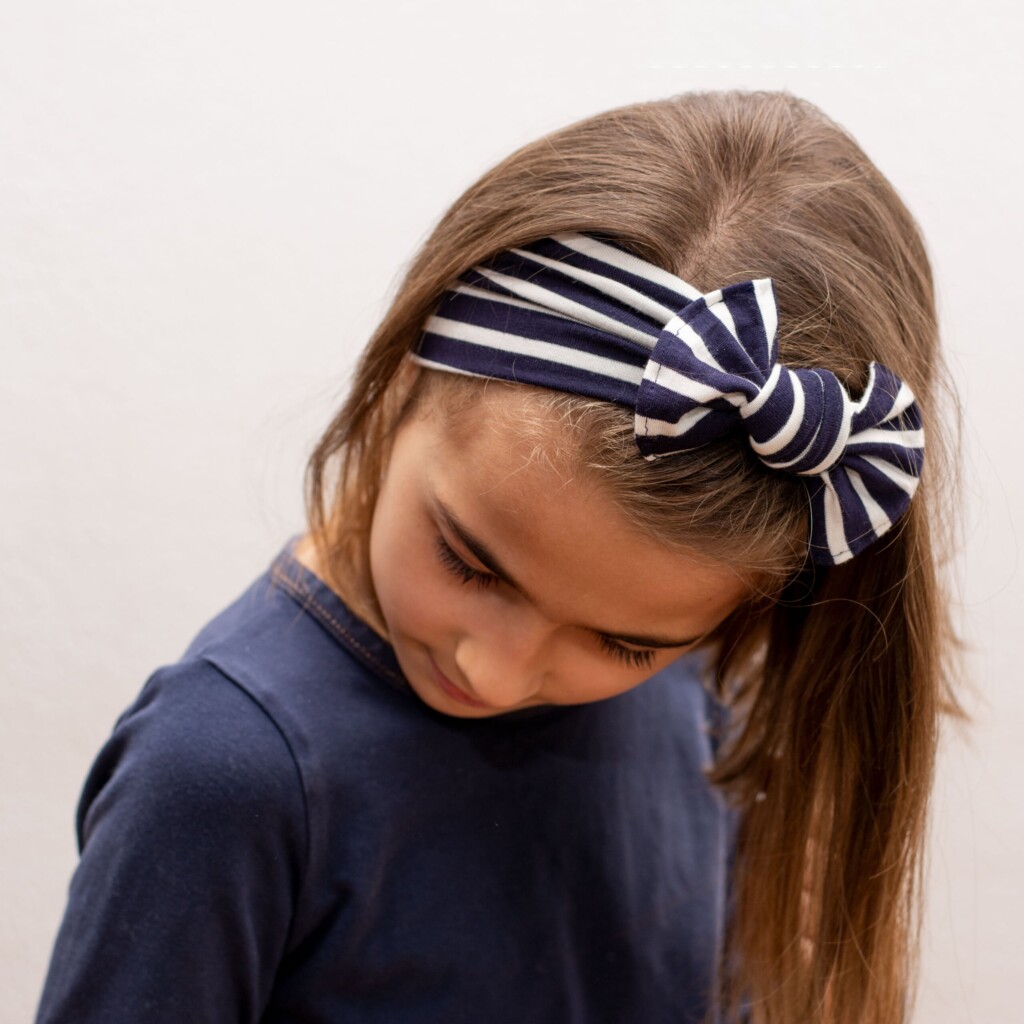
(451, 690)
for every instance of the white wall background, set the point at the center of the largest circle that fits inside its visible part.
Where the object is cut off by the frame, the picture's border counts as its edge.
(203, 206)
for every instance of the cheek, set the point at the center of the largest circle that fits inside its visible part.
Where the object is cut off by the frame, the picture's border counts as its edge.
(406, 581)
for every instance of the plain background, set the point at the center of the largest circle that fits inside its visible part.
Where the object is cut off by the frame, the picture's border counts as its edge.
(204, 207)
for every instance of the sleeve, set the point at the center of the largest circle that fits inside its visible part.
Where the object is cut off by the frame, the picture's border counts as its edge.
(193, 834)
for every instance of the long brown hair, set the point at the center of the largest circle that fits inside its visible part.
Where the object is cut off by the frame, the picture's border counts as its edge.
(837, 676)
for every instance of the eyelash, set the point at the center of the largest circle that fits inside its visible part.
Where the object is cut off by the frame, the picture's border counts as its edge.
(638, 659)
(467, 574)
(455, 565)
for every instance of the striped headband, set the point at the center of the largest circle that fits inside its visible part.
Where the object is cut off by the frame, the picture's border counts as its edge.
(578, 313)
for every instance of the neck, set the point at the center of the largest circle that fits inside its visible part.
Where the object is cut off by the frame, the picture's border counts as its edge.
(352, 586)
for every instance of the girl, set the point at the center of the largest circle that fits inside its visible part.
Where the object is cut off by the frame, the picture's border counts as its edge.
(648, 411)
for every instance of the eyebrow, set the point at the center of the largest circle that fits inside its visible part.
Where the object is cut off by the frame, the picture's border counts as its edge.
(483, 554)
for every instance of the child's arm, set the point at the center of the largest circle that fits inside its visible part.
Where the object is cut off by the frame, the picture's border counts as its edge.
(192, 831)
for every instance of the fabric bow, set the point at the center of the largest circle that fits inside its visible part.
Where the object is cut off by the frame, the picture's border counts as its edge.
(715, 367)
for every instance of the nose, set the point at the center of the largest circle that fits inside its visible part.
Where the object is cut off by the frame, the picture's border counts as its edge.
(504, 660)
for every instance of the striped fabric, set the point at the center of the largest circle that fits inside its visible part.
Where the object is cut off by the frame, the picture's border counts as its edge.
(578, 313)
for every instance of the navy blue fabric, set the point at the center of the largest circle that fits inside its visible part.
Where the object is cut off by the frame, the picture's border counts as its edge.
(279, 830)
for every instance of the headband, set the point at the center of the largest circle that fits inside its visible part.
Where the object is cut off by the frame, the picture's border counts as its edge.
(578, 313)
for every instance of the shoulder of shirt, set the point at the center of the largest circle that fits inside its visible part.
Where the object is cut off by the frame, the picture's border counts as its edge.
(194, 751)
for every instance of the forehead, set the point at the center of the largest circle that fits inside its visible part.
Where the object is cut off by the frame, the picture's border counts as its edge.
(508, 471)
(493, 438)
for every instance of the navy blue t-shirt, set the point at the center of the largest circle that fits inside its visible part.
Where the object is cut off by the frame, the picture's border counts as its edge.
(279, 830)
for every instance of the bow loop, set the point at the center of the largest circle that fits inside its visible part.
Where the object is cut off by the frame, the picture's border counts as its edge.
(873, 482)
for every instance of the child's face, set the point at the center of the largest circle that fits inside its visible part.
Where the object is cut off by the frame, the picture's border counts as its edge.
(506, 584)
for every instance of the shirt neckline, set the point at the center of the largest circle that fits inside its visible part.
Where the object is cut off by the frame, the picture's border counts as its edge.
(327, 607)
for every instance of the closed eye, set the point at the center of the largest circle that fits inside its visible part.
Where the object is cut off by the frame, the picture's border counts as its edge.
(631, 656)
(464, 572)
(459, 568)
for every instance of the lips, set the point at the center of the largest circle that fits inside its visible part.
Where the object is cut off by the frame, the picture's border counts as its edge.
(451, 690)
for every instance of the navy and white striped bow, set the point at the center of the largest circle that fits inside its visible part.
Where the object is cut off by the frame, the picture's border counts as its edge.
(578, 313)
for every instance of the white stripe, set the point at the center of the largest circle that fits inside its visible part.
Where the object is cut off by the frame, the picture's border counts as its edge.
(834, 532)
(647, 427)
(880, 522)
(764, 394)
(514, 343)
(861, 402)
(626, 261)
(720, 309)
(575, 310)
(765, 296)
(431, 365)
(878, 435)
(906, 482)
(693, 341)
(799, 458)
(606, 285)
(788, 431)
(482, 293)
(680, 384)
(836, 452)
(904, 399)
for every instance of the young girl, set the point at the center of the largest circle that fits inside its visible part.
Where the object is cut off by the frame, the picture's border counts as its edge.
(604, 686)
